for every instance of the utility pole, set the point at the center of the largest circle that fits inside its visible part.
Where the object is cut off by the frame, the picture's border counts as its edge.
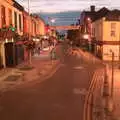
(112, 79)
(119, 52)
(30, 54)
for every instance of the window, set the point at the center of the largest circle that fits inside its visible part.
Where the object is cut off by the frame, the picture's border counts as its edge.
(10, 17)
(113, 33)
(35, 27)
(20, 27)
(113, 29)
(113, 26)
(15, 19)
(3, 20)
(93, 32)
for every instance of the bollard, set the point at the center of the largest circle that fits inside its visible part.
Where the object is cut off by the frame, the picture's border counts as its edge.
(53, 54)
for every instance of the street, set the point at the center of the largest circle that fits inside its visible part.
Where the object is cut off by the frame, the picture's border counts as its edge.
(56, 98)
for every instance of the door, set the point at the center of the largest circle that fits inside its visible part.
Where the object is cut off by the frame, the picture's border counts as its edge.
(9, 56)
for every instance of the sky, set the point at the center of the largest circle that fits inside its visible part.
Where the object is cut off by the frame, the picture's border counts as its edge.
(51, 6)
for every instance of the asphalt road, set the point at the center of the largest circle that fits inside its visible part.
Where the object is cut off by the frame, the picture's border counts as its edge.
(57, 98)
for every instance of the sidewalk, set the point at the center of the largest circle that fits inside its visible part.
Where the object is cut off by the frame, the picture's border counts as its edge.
(115, 114)
(116, 95)
(42, 67)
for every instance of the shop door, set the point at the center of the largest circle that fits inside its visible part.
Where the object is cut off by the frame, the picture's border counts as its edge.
(9, 54)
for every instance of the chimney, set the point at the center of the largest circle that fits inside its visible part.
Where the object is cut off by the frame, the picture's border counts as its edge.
(92, 8)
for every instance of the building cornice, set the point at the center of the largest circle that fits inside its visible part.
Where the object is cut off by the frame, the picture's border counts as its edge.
(106, 42)
(10, 2)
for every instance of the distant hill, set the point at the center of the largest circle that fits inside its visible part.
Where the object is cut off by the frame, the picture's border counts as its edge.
(62, 18)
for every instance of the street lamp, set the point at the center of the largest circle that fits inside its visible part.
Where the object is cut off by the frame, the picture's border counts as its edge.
(52, 20)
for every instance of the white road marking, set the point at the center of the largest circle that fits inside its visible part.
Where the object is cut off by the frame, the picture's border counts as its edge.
(81, 91)
(79, 67)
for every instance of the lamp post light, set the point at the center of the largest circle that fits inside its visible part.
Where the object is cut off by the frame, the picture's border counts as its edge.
(52, 24)
(52, 21)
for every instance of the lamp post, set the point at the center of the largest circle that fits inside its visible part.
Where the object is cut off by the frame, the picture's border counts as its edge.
(112, 77)
(30, 54)
(52, 24)
(119, 51)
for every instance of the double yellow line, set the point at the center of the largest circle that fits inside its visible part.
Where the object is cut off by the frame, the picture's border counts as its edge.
(87, 113)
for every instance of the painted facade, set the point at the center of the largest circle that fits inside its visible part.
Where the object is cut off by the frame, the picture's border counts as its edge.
(10, 15)
(107, 38)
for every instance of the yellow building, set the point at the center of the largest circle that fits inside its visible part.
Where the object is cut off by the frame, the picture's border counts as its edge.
(42, 26)
(106, 31)
(10, 14)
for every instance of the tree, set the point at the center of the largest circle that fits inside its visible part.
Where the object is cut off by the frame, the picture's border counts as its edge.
(30, 45)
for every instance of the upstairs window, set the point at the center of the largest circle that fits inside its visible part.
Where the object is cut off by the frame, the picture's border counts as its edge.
(3, 16)
(113, 29)
(15, 19)
(10, 17)
(20, 24)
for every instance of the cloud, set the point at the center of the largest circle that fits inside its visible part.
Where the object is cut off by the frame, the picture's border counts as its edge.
(66, 5)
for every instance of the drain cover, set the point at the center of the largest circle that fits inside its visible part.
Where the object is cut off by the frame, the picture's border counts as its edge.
(12, 78)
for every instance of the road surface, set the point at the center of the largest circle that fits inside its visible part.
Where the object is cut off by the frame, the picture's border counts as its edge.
(57, 98)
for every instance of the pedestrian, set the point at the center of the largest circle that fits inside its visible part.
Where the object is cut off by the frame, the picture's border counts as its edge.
(38, 50)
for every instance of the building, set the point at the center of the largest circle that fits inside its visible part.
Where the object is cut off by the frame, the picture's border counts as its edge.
(16, 25)
(86, 19)
(11, 26)
(106, 30)
(102, 32)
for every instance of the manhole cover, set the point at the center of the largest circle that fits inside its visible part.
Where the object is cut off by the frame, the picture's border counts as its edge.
(12, 78)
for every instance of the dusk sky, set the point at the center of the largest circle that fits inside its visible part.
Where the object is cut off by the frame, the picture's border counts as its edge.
(67, 5)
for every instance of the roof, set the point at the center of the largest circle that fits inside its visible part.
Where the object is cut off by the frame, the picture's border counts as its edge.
(18, 6)
(101, 13)
(113, 15)
(38, 17)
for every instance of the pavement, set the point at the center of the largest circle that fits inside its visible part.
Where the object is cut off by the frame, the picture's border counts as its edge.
(112, 104)
(115, 103)
(42, 66)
